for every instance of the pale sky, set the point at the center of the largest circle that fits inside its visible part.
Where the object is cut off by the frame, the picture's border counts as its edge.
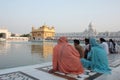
(65, 15)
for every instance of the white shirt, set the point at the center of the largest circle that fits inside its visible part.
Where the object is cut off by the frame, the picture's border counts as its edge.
(105, 46)
(87, 47)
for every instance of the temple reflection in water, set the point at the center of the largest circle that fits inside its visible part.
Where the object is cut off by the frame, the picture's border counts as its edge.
(3, 48)
(45, 49)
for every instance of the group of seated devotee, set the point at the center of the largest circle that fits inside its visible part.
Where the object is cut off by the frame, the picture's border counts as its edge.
(70, 59)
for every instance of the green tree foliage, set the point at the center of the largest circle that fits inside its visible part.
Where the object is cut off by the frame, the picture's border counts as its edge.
(12, 35)
(1, 35)
(25, 35)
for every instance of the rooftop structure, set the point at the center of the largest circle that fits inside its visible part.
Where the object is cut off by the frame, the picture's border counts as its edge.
(90, 32)
(43, 32)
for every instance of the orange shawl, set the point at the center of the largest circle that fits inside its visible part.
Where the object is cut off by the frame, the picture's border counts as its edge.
(66, 58)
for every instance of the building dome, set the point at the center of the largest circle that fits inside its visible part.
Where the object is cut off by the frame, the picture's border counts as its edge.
(90, 32)
(90, 27)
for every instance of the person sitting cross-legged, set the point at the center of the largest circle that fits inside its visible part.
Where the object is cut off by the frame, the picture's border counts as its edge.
(97, 58)
(66, 58)
(79, 48)
(104, 44)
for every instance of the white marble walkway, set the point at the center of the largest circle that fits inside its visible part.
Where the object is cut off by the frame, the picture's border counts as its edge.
(39, 72)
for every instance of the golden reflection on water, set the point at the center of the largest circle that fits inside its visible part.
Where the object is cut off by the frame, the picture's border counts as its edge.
(3, 48)
(44, 49)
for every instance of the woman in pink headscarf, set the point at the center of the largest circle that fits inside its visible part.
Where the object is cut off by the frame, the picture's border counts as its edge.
(66, 58)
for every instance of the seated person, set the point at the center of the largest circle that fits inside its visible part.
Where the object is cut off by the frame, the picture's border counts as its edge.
(111, 46)
(79, 48)
(104, 44)
(87, 48)
(66, 58)
(97, 58)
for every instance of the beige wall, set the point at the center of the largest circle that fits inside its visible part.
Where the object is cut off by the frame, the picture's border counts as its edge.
(6, 33)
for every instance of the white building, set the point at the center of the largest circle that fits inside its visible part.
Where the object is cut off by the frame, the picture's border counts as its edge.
(4, 33)
(90, 32)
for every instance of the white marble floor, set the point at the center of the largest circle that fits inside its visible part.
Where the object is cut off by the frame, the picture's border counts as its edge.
(39, 72)
(115, 75)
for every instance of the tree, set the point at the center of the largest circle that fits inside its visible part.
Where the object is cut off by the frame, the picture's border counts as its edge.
(12, 35)
(25, 35)
(1, 35)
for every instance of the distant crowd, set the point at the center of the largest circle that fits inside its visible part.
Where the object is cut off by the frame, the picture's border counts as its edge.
(70, 59)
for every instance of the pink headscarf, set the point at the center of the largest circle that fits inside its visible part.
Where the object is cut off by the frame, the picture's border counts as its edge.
(62, 39)
(66, 58)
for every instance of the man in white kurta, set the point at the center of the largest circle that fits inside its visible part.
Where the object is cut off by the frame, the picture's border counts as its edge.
(104, 44)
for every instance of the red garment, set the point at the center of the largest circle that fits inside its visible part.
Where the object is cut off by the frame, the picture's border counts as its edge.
(66, 58)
